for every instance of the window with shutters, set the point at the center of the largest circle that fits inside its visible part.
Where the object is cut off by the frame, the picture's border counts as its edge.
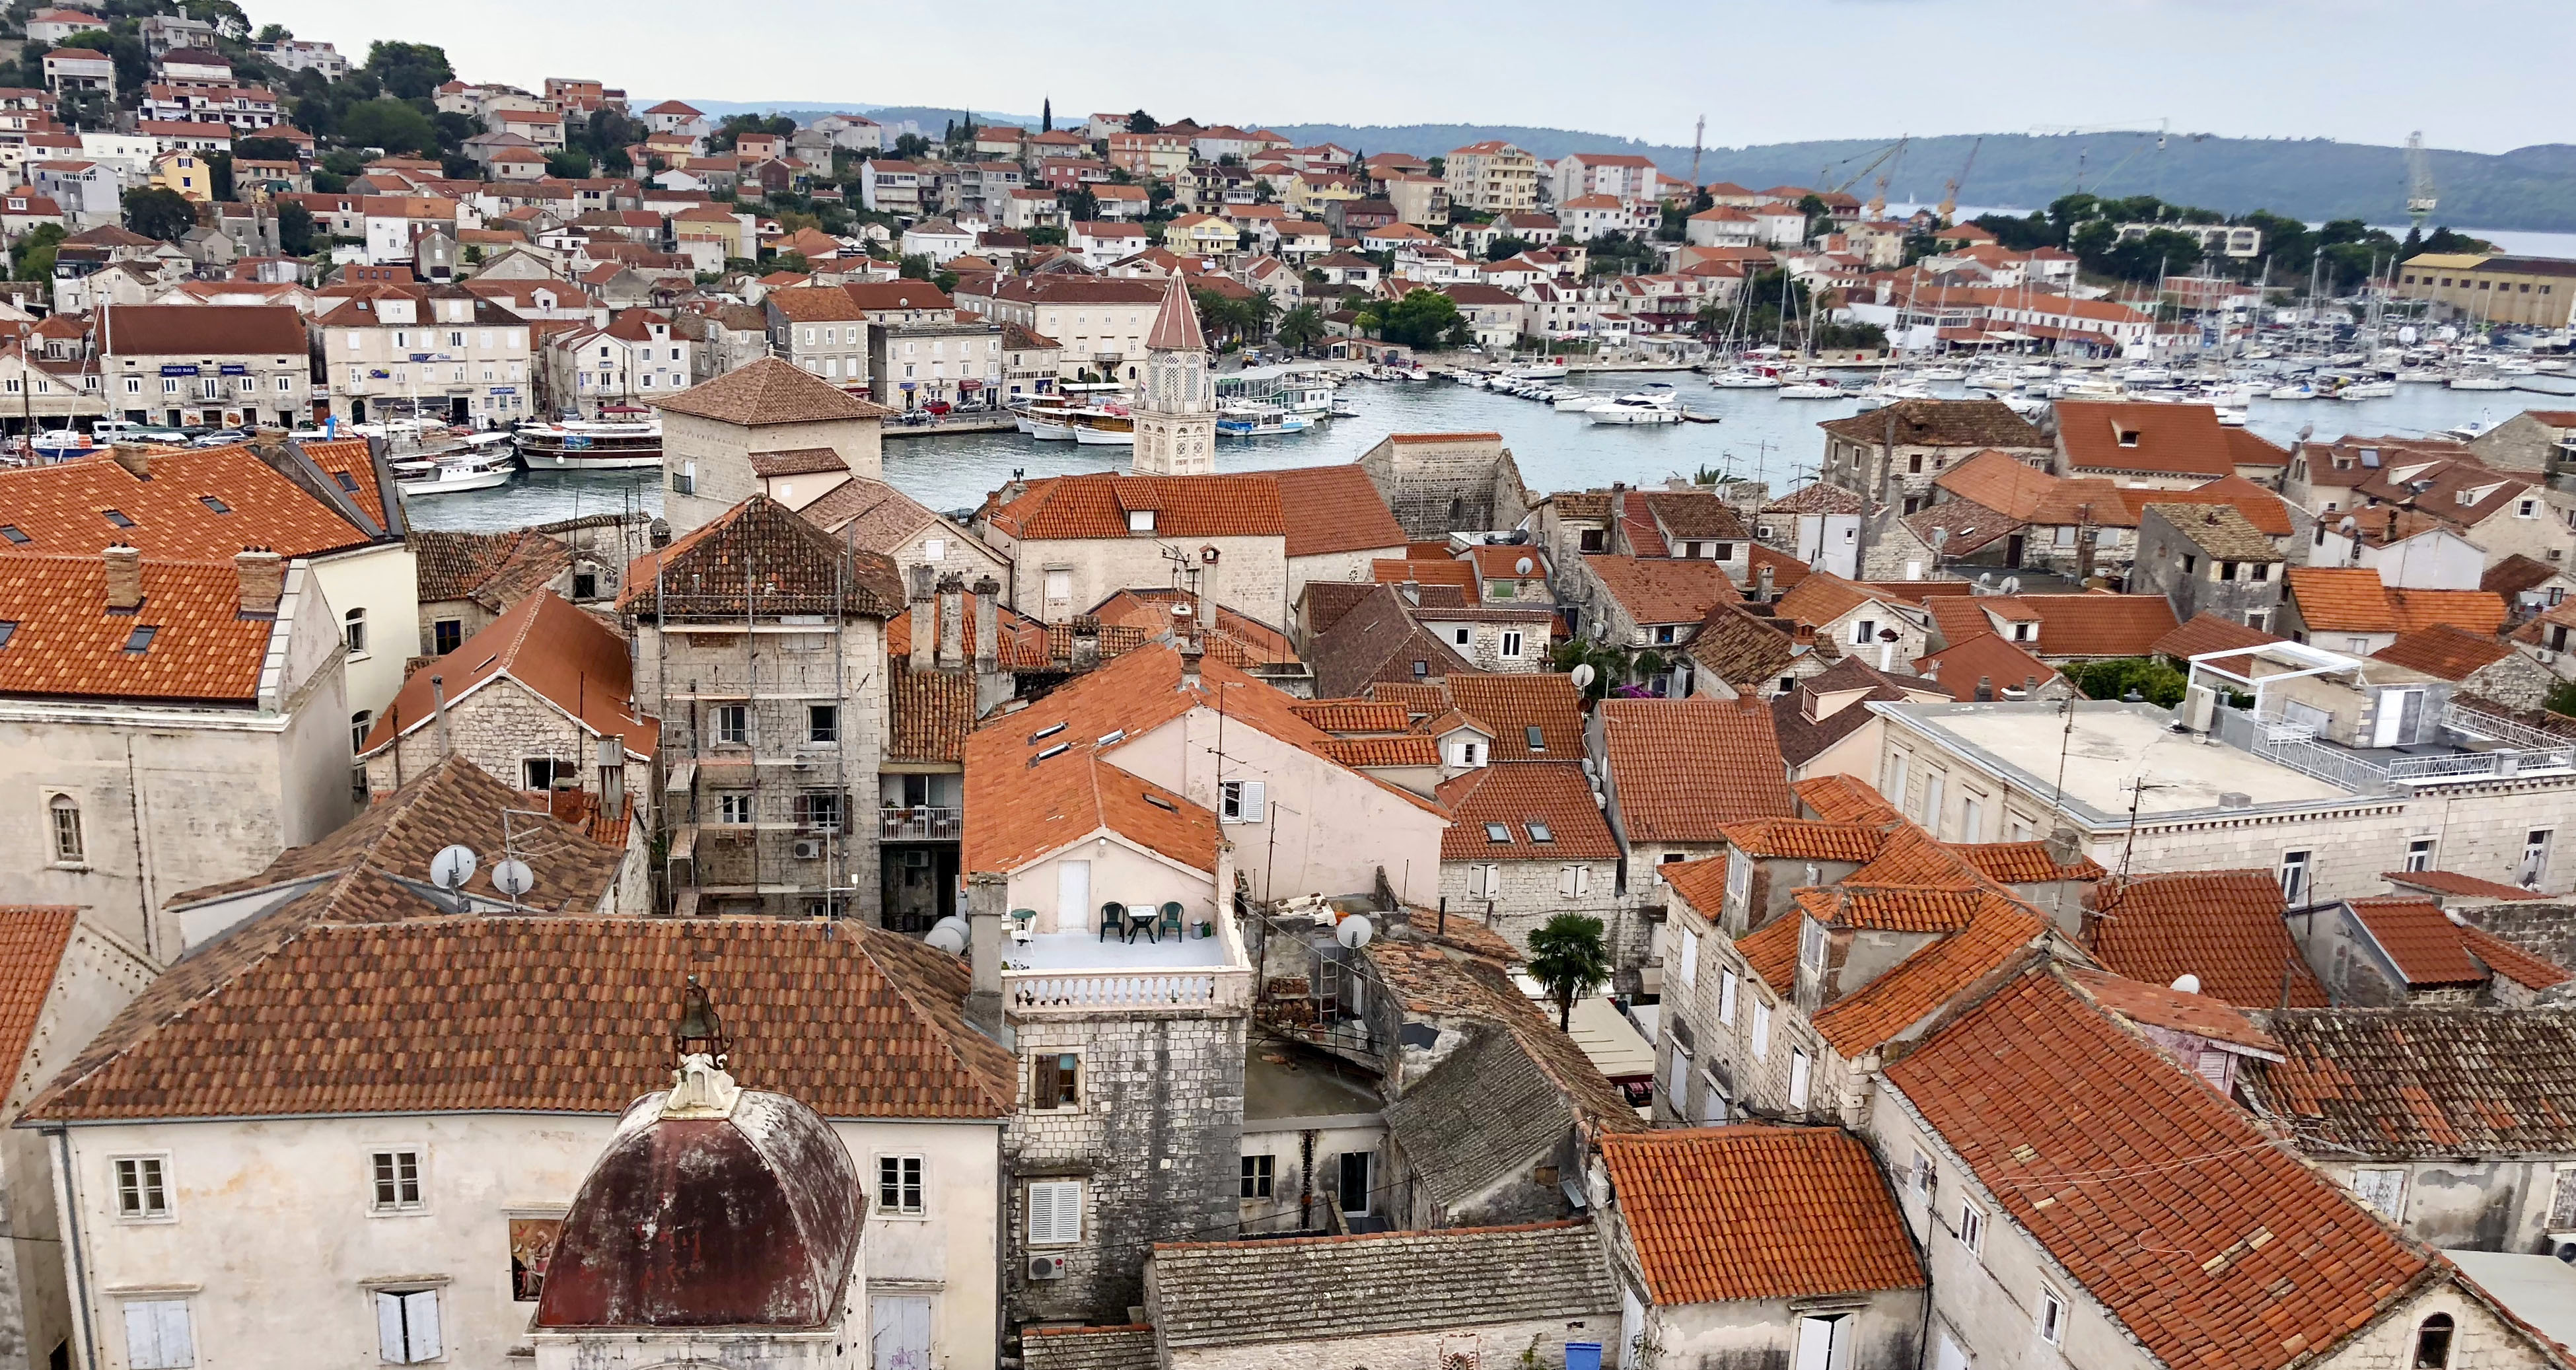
(1972, 1226)
(1922, 1171)
(2052, 1316)
(2562, 1202)
(1726, 998)
(1677, 1078)
(1761, 1029)
(2383, 1188)
(395, 1181)
(1055, 1081)
(407, 1326)
(1573, 882)
(157, 1335)
(1799, 1069)
(1484, 881)
(141, 1193)
(1739, 885)
(899, 1184)
(1243, 801)
(1811, 946)
(1055, 1212)
(532, 1248)
(1686, 962)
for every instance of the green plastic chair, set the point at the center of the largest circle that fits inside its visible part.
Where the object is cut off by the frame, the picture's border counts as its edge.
(1113, 917)
(1170, 920)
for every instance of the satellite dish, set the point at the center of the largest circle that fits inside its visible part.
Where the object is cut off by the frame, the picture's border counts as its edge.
(452, 867)
(1354, 932)
(1522, 567)
(512, 877)
(946, 938)
(957, 925)
(2187, 982)
(1581, 676)
(2012, 585)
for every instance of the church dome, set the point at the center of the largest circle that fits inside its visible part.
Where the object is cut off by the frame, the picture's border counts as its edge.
(711, 1207)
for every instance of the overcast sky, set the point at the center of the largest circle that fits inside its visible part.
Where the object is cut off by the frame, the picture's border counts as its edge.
(2357, 70)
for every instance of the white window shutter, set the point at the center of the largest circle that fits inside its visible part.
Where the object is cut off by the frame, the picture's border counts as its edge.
(1582, 881)
(389, 1329)
(1798, 1082)
(1565, 881)
(1687, 971)
(178, 1344)
(143, 1334)
(1726, 999)
(420, 1315)
(1254, 800)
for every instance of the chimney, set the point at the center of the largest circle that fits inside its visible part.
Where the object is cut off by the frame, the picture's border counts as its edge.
(952, 622)
(986, 893)
(2064, 847)
(1086, 644)
(134, 457)
(269, 443)
(612, 777)
(925, 623)
(1985, 689)
(263, 580)
(1762, 584)
(124, 578)
(2030, 687)
(988, 625)
(1192, 649)
(438, 709)
(1411, 590)
(1802, 632)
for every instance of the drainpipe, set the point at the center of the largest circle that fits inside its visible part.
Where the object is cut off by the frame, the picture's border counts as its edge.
(67, 1199)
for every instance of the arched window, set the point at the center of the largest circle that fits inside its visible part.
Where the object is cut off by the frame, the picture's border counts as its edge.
(358, 723)
(2433, 1343)
(353, 628)
(67, 829)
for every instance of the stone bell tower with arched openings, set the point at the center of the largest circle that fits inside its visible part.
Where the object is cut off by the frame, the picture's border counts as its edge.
(1176, 413)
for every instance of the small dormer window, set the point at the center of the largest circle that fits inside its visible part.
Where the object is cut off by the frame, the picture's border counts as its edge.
(1140, 520)
(2128, 437)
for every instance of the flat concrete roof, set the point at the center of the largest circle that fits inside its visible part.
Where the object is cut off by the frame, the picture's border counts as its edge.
(1283, 1080)
(2112, 746)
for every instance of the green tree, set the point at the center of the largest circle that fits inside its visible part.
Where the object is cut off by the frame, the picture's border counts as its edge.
(409, 71)
(273, 33)
(1504, 247)
(257, 149)
(158, 213)
(914, 267)
(2561, 700)
(568, 165)
(1570, 960)
(391, 124)
(1046, 116)
(32, 258)
(1423, 318)
(2159, 683)
(133, 63)
(790, 261)
(1141, 122)
(1300, 328)
(219, 174)
(294, 230)
(910, 146)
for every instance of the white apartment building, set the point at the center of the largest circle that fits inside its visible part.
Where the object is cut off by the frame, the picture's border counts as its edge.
(438, 350)
(635, 359)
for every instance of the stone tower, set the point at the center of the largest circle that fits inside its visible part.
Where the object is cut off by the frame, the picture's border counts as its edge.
(1176, 413)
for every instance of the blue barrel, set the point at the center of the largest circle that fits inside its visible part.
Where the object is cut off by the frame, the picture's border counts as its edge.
(1583, 1355)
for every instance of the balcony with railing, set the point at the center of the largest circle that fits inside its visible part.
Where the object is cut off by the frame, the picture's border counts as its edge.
(2475, 747)
(1080, 973)
(920, 823)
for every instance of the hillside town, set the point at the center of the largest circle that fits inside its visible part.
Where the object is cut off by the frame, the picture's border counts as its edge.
(2042, 874)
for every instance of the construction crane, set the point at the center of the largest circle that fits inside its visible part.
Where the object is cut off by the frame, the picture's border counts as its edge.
(1887, 157)
(1950, 192)
(1699, 131)
(2420, 199)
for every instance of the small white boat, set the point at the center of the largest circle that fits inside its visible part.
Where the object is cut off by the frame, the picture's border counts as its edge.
(1812, 390)
(1576, 402)
(2479, 380)
(2512, 366)
(1046, 428)
(2229, 416)
(2367, 390)
(1744, 378)
(1249, 421)
(2296, 390)
(1537, 371)
(454, 474)
(1943, 373)
(1105, 427)
(1651, 405)
(2146, 375)
(2472, 430)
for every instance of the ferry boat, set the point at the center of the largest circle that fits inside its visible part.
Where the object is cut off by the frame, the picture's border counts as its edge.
(1255, 421)
(575, 445)
(483, 469)
(1105, 427)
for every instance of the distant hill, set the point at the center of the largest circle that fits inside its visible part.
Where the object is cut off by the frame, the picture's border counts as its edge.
(2530, 188)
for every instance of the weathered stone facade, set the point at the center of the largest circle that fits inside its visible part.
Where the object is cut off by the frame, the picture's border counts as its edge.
(1443, 483)
(1520, 895)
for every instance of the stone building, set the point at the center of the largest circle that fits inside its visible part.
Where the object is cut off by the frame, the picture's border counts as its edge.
(1911, 442)
(1176, 402)
(442, 352)
(2444, 1170)
(2475, 664)
(466, 580)
(2207, 559)
(1443, 483)
(1525, 844)
(2406, 950)
(760, 648)
(237, 367)
(717, 437)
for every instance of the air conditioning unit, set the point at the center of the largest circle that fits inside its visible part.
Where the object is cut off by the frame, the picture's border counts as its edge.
(2547, 657)
(1046, 1267)
(806, 761)
(2563, 1246)
(806, 849)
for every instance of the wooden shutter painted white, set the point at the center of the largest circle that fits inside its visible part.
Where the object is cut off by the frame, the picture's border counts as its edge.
(1798, 1083)
(420, 1320)
(1255, 800)
(143, 1335)
(1686, 969)
(1726, 999)
(1055, 1212)
(389, 1329)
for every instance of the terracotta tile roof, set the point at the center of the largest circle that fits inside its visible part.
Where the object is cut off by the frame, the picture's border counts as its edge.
(1844, 799)
(1682, 769)
(2266, 510)
(1961, 526)
(1996, 481)
(1959, 667)
(1693, 514)
(2452, 882)
(1801, 839)
(1458, 574)
(1941, 423)
(1514, 704)
(1336, 508)
(32, 939)
(1353, 715)
(2159, 1006)
(2515, 574)
(1235, 638)
(2169, 439)
(2423, 943)
(2445, 651)
(2423, 1083)
(796, 461)
(2249, 448)
(1770, 951)
(1743, 651)
(154, 330)
(1657, 590)
(2223, 926)
(1413, 749)
(1378, 640)
(1417, 701)
(352, 467)
(2512, 962)
(931, 712)
(2069, 625)
(1888, 908)
(536, 1014)
(1096, 506)
(2219, 530)
(555, 651)
(1515, 795)
(870, 513)
(2091, 1141)
(65, 643)
(2351, 599)
(1924, 983)
(1815, 498)
(60, 507)
(771, 390)
(1821, 597)
(787, 565)
(2024, 863)
(1756, 1212)
(1913, 857)
(2207, 632)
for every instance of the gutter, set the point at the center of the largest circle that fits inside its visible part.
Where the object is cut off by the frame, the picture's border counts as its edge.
(68, 1200)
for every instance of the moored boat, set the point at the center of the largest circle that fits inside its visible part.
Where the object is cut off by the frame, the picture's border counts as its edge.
(576, 445)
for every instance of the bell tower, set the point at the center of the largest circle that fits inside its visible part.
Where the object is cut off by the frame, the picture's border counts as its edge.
(1176, 413)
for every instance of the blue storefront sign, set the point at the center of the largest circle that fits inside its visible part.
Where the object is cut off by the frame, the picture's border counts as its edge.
(505, 390)
(178, 370)
(230, 370)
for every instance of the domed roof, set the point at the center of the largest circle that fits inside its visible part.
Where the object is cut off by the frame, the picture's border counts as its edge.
(711, 1207)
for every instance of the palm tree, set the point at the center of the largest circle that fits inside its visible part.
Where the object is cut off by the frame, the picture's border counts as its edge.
(1300, 328)
(1567, 957)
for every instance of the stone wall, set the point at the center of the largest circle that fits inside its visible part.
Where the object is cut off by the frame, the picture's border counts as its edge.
(1530, 897)
(1501, 1345)
(1459, 483)
(1157, 1140)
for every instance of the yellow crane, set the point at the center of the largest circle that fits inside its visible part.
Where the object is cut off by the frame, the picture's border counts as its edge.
(1950, 192)
(1887, 157)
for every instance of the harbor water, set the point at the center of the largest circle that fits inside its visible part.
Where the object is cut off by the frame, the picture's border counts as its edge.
(1758, 435)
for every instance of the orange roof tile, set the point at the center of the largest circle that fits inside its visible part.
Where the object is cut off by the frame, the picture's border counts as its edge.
(65, 643)
(1514, 795)
(1757, 1212)
(2424, 944)
(1800, 839)
(2206, 632)
(2205, 1237)
(2024, 863)
(1412, 749)
(1888, 908)
(1661, 590)
(556, 651)
(2160, 1006)
(1682, 769)
(1459, 575)
(2069, 625)
(2452, 882)
(1336, 509)
(2162, 439)
(1353, 715)
(61, 507)
(1844, 799)
(1096, 506)
(1925, 982)
(1513, 704)
(2445, 651)
(1983, 659)
(32, 938)
(2223, 926)
(2512, 962)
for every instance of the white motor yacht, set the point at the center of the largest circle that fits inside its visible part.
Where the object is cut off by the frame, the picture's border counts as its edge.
(454, 473)
(2367, 390)
(1645, 406)
(1819, 389)
(1744, 378)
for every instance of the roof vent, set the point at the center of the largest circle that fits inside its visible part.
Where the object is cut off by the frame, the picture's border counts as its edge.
(2187, 983)
(2235, 799)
